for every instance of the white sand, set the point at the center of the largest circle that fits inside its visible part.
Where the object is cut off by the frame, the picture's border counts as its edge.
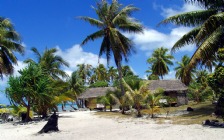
(87, 126)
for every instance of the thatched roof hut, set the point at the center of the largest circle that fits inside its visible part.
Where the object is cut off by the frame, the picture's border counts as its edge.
(95, 92)
(167, 85)
(172, 88)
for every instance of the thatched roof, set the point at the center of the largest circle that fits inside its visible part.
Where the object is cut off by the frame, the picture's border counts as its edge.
(167, 85)
(95, 92)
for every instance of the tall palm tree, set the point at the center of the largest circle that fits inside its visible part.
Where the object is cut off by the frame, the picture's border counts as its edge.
(50, 63)
(10, 42)
(159, 61)
(101, 73)
(112, 19)
(112, 74)
(181, 70)
(207, 33)
(126, 71)
(85, 71)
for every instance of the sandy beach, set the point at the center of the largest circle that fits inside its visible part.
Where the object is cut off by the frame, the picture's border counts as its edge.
(84, 125)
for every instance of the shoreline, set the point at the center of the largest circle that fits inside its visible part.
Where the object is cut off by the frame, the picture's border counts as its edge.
(84, 125)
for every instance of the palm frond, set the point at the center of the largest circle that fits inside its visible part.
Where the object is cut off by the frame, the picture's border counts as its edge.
(188, 38)
(116, 99)
(210, 25)
(93, 36)
(37, 53)
(126, 11)
(92, 21)
(131, 27)
(208, 47)
(194, 18)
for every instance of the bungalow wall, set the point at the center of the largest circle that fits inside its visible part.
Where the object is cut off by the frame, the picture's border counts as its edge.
(91, 103)
(180, 97)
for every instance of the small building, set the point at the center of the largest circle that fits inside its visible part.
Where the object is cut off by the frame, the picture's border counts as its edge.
(172, 88)
(88, 97)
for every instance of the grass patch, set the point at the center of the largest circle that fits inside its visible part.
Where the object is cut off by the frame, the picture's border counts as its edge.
(202, 111)
(113, 114)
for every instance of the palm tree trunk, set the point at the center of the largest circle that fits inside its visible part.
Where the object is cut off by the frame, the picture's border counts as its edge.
(122, 112)
(110, 108)
(139, 111)
(77, 103)
(105, 107)
(44, 113)
(28, 111)
(119, 68)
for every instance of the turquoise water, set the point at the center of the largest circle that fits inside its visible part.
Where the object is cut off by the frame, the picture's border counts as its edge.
(67, 107)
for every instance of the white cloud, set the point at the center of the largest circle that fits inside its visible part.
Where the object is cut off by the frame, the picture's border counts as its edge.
(76, 55)
(152, 39)
(20, 65)
(187, 7)
(170, 75)
(23, 44)
(133, 70)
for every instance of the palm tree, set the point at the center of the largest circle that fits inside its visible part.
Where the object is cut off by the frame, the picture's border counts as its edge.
(9, 43)
(50, 63)
(76, 84)
(124, 101)
(152, 99)
(126, 71)
(112, 19)
(101, 73)
(159, 62)
(201, 76)
(138, 95)
(181, 71)
(84, 71)
(200, 91)
(207, 33)
(112, 74)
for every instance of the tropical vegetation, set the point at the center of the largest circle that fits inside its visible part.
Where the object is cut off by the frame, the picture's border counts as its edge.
(182, 71)
(207, 32)
(10, 43)
(43, 84)
(159, 62)
(112, 19)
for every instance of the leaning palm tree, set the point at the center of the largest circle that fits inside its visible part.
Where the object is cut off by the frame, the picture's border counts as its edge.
(207, 33)
(50, 63)
(9, 43)
(181, 71)
(159, 62)
(112, 19)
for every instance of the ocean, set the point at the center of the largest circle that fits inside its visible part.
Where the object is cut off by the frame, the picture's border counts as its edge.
(67, 107)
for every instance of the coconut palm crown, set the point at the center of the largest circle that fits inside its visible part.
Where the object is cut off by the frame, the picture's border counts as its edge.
(112, 19)
(181, 71)
(10, 42)
(208, 31)
(50, 62)
(159, 61)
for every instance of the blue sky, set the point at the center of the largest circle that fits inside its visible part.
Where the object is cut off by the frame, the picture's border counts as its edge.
(54, 23)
